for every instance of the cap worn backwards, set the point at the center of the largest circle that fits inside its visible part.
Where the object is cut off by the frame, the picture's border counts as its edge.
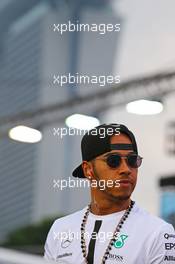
(97, 141)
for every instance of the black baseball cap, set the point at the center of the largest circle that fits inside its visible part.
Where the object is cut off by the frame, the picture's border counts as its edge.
(97, 141)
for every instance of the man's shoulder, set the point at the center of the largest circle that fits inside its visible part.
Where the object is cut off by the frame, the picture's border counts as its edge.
(151, 221)
(71, 219)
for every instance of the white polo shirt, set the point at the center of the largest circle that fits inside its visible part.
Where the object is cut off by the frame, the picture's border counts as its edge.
(143, 239)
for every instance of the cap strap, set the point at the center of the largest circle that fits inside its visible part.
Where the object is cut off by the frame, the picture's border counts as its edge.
(121, 146)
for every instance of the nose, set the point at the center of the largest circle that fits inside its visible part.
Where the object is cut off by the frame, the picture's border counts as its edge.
(124, 168)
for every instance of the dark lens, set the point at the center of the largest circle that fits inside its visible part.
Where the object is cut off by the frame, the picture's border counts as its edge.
(134, 161)
(113, 161)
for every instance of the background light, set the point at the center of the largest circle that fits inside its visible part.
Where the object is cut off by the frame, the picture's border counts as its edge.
(83, 122)
(144, 107)
(25, 134)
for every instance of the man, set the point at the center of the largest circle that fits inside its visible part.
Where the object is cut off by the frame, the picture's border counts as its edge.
(113, 228)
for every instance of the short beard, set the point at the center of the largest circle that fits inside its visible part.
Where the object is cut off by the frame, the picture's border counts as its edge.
(121, 198)
(117, 198)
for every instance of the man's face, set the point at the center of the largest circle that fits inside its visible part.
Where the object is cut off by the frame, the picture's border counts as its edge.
(102, 172)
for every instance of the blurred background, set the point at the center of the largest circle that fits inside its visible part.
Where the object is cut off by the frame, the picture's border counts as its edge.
(31, 54)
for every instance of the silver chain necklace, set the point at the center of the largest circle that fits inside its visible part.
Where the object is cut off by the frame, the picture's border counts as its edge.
(113, 239)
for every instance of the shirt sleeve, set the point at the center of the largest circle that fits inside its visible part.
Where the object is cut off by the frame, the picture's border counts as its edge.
(162, 246)
(50, 245)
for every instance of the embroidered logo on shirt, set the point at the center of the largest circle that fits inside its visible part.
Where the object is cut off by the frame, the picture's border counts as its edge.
(67, 240)
(169, 258)
(120, 241)
(115, 257)
(167, 236)
(64, 255)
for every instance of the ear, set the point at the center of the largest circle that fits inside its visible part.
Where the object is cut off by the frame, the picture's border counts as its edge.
(87, 169)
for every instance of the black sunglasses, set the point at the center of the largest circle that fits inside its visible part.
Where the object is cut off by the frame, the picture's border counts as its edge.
(114, 160)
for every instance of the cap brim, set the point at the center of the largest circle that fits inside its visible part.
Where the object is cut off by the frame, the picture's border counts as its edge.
(78, 172)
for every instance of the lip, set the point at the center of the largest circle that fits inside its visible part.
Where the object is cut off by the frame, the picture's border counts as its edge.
(124, 181)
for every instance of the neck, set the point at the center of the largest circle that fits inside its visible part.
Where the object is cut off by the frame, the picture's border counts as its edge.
(103, 206)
